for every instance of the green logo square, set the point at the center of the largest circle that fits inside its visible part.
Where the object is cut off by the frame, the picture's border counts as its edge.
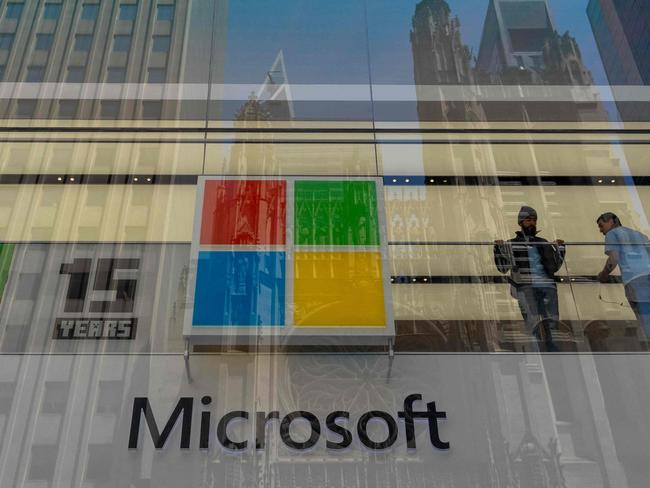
(339, 213)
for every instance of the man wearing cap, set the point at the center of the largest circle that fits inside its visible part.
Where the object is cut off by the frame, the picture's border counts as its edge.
(532, 263)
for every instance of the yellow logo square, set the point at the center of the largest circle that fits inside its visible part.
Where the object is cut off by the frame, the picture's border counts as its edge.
(338, 289)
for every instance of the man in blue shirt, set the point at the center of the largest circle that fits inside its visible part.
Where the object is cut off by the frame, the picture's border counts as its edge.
(628, 249)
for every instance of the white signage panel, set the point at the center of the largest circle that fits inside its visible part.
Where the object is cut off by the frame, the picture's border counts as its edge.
(324, 420)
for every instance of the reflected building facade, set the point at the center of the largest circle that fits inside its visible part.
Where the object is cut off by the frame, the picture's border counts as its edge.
(271, 103)
(101, 211)
(440, 58)
(621, 28)
(513, 40)
(93, 42)
(521, 46)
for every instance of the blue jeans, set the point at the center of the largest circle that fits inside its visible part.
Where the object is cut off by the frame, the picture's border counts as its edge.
(540, 310)
(637, 293)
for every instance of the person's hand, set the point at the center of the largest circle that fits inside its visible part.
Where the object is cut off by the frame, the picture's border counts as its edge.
(603, 277)
(499, 242)
(558, 242)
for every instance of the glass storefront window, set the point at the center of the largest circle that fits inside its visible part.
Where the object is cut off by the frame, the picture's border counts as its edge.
(259, 243)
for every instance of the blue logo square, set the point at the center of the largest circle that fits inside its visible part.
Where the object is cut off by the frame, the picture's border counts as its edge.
(244, 288)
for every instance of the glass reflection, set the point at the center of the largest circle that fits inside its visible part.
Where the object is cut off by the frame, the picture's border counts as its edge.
(413, 55)
(304, 89)
(519, 40)
(479, 44)
(103, 44)
(620, 29)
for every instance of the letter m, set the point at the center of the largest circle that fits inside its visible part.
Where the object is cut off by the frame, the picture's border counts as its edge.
(142, 405)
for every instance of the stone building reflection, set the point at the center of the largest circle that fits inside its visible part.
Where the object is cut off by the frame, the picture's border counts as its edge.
(441, 58)
(521, 46)
(271, 103)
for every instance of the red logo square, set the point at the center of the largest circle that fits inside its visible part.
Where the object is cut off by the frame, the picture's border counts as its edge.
(244, 212)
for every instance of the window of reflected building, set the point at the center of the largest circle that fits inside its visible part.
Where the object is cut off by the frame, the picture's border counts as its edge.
(14, 10)
(89, 11)
(68, 109)
(44, 42)
(156, 75)
(35, 74)
(161, 44)
(6, 41)
(165, 12)
(128, 12)
(25, 108)
(121, 43)
(82, 42)
(110, 109)
(51, 11)
(76, 74)
(116, 75)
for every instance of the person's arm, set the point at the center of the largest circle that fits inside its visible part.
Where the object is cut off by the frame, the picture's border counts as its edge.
(610, 265)
(558, 252)
(561, 249)
(502, 257)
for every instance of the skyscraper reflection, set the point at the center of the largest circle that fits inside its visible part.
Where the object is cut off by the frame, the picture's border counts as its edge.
(441, 58)
(520, 45)
(620, 28)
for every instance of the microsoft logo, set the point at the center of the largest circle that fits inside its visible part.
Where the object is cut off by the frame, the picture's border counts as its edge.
(290, 257)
